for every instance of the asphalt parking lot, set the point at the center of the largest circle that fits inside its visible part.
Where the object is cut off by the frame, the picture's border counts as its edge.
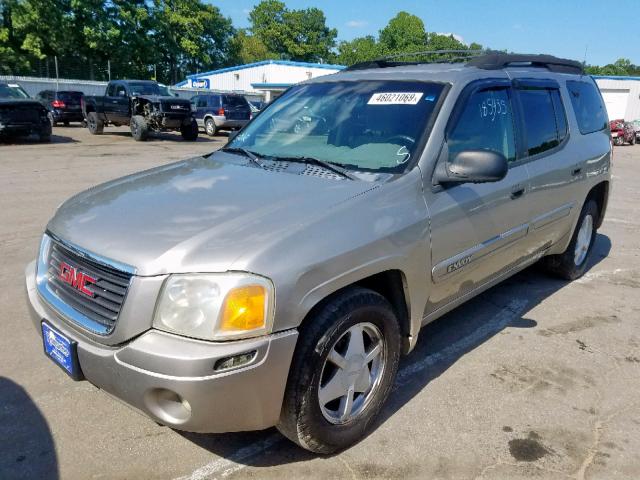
(536, 378)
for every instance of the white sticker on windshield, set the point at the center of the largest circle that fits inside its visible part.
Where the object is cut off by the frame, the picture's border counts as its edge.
(395, 98)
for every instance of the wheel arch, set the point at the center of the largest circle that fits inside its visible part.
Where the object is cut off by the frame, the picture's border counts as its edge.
(392, 285)
(600, 194)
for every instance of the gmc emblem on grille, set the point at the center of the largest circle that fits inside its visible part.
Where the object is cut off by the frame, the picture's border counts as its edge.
(75, 278)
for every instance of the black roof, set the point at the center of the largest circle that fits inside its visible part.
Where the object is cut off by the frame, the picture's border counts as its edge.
(478, 59)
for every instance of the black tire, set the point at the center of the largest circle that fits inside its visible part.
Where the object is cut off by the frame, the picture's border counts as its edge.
(139, 128)
(94, 123)
(210, 127)
(44, 136)
(302, 419)
(190, 131)
(564, 265)
(66, 124)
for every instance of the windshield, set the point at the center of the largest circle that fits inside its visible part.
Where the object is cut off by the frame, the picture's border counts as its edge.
(148, 89)
(12, 91)
(365, 125)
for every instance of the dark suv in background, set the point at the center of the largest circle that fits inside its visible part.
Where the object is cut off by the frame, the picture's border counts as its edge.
(20, 115)
(215, 111)
(64, 105)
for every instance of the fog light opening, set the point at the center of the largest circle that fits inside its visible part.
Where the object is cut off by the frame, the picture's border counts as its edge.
(235, 361)
(168, 405)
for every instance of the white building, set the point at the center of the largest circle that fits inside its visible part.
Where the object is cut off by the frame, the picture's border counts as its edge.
(621, 96)
(267, 79)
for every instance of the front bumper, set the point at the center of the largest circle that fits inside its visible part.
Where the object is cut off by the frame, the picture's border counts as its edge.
(171, 378)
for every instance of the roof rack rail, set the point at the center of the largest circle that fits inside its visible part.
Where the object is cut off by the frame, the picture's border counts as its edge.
(496, 61)
(393, 60)
(484, 59)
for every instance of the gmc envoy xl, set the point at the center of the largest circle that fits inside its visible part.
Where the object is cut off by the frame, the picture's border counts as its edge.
(278, 280)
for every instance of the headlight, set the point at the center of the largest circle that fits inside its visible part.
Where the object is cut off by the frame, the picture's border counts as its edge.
(216, 306)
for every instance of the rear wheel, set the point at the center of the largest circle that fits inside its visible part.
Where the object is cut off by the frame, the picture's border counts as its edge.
(139, 128)
(342, 371)
(94, 123)
(572, 264)
(189, 131)
(210, 127)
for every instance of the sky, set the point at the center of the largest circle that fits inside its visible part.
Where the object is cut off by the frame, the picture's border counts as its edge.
(605, 29)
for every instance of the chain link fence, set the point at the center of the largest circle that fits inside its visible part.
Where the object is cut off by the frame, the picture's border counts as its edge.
(77, 68)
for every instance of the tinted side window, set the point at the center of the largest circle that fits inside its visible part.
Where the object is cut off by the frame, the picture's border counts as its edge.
(539, 120)
(111, 90)
(202, 102)
(587, 104)
(486, 123)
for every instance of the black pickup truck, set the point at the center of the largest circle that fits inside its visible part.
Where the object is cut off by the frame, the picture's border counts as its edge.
(144, 105)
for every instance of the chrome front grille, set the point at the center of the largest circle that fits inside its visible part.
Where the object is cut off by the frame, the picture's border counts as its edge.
(95, 290)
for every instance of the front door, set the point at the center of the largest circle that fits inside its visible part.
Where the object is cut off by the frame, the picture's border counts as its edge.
(478, 231)
(116, 104)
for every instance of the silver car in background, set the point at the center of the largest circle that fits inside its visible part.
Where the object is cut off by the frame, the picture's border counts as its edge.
(279, 280)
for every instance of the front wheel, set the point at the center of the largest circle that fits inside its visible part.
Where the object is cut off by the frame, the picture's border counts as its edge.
(572, 263)
(139, 128)
(342, 371)
(189, 131)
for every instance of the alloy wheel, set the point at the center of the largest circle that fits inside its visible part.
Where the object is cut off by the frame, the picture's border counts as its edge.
(352, 373)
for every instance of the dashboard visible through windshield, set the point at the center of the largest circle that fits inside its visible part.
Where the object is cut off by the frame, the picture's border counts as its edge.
(366, 125)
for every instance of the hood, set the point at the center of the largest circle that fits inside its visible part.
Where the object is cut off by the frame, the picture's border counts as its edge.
(19, 102)
(198, 215)
(165, 99)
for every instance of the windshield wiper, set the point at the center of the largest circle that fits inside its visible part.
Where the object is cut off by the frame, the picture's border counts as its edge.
(247, 153)
(322, 163)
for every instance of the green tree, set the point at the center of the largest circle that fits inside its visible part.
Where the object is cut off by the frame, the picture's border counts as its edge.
(294, 34)
(188, 36)
(246, 48)
(404, 32)
(359, 49)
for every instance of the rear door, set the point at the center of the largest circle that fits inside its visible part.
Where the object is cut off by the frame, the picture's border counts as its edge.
(554, 166)
(478, 231)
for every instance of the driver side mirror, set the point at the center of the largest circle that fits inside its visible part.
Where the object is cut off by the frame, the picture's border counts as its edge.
(473, 166)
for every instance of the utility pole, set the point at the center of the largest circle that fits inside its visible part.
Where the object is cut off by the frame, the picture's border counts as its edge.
(55, 60)
(109, 69)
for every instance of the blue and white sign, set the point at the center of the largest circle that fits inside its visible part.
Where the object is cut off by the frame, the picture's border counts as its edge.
(59, 348)
(200, 83)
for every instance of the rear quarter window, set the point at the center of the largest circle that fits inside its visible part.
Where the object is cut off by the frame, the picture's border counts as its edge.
(235, 101)
(588, 106)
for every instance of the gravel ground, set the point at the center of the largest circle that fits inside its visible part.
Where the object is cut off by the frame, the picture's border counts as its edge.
(536, 378)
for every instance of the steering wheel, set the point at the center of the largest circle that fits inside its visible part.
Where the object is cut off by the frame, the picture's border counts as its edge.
(406, 138)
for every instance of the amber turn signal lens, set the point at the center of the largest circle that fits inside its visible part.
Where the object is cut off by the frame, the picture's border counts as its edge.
(244, 309)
